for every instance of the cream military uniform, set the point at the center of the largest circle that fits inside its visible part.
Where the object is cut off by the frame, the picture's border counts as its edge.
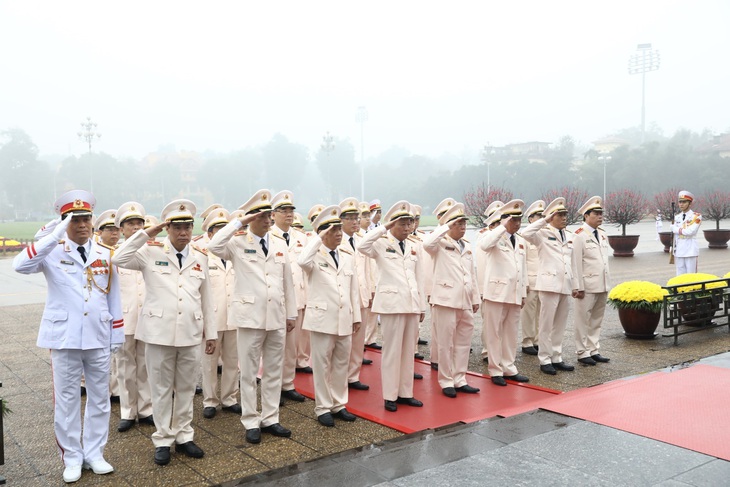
(333, 306)
(453, 296)
(531, 310)
(399, 299)
(82, 321)
(372, 320)
(135, 398)
(505, 288)
(177, 314)
(263, 300)
(553, 282)
(590, 275)
(491, 217)
(685, 228)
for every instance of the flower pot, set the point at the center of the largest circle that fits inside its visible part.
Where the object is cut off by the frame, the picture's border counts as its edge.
(717, 239)
(666, 239)
(638, 323)
(700, 311)
(623, 245)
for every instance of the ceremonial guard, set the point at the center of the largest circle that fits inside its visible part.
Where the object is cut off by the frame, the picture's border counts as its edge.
(82, 325)
(399, 299)
(177, 315)
(297, 349)
(454, 298)
(135, 401)
(505, 289)
(685, 227)
(554, 282)
(531, 310)
(590, 281)
(222, 277)
(375, 214)
(264, 308)
(333, 313)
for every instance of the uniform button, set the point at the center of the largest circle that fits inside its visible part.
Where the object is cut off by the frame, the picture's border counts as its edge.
(179, 312)
(180, 299)
(86, 314)
(179, 285)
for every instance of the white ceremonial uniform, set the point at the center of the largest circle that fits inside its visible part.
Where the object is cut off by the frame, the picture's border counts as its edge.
(426, 274)
(590, 274)
(453, 294)
(176, 316)
(399, 299)
(263, 300)
(505, 288)
(686, 251)
(531, 310)
(364, 285)
(372, 319)
(553, 285)
(82, 319)
(333, 306)
(481, 263)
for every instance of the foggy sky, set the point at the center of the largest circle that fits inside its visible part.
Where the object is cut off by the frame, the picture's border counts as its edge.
(435, 76)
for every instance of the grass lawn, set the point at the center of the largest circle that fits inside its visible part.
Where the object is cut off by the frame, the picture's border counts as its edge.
(20, 230)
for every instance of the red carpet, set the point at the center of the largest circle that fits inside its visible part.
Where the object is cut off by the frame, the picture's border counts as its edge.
(438, 410)
(687, 408)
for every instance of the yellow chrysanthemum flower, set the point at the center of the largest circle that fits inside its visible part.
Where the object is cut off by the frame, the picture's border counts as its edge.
(695, 278)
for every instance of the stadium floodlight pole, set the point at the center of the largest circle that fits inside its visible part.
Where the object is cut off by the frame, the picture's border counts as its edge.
(88, 134)
(645, 59)
(328, 145)
(361, 117)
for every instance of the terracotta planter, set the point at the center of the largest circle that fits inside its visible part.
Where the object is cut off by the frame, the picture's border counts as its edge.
(666, 239)
(623, 245)
(717, 239)
(700, 311)
(639, 324)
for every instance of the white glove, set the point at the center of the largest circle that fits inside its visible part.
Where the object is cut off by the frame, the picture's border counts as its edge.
(60, 229)
(115, 347)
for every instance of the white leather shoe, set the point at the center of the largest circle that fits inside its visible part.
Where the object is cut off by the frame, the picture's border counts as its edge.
(99, 467)
(72, 474)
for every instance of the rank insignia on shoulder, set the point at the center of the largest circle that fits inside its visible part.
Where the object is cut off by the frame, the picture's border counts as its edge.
(106, 246)
(277, 236)
(195, 239)
(154, 243)
(161, 262)
(579, 230)
(202, 251)
(390, 250)
(346, 251)
(239, 233)
(249, 251)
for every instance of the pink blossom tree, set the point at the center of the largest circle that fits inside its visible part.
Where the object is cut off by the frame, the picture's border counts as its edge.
(662, 202)
(623, 208)
(715, 206)
(574, 199)
(477, 199)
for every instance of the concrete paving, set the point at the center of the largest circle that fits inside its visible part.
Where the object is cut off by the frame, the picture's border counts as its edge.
(538, 446)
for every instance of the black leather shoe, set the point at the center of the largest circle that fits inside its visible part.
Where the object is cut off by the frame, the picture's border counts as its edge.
(292, 395)
(345, 415)
(233, 408)
(150, 420)
(367, 361)
(209, 412)
(418, 356)
(162, 455)
(357, 385)
(374, 346)
(468, 389)
(198, 390)
(485, 360)
(220, 369)
(417, 376)
(409, 401)
(548, 369)
(83, 391)
(391, 406)
(277, 430)
(326, 420)
(599, 358)
(499, 380)
(529, 350)
(449, 391)
(421, 341)
(434, 366)
(190, 449)
(304, 370)
(587, 361)
(563, 366)
(125, 425)
(517, 378)
(253, 435)
(114, 399)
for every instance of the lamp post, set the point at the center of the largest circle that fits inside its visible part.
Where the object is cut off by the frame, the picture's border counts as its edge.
(361, 117)
(605, 160)
(487, 155)
(645, 59)
(88, 134)
(328, 145)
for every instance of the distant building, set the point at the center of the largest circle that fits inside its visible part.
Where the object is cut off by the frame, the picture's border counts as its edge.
(719, 145)
(608, 144)
(533, 151)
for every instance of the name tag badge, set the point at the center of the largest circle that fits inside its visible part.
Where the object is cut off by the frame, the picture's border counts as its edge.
(450, 248)
(391, 250)
(161, 262)
(324, 264)
(552, 238)
(67, 262)
(249, 251)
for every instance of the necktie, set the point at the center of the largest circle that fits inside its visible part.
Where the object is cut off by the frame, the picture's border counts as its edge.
(352, 243)
(334, 257)
(512, 239)
(224, 263)
(402, 246)
(562, 236)
(684, 215)
(263, 247)
(595, 234)
(286, 237)
(82, 251)
(180, 259)
(461, 246)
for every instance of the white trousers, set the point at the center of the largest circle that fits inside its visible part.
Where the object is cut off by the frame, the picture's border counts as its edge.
(434, 358)
(371, 333)
(226, 350)
(686, 265)
(291, 353)
(357, 352)
(529, 319)
(554, 309)
(588, 313)
(253, 346)
(172, 369)
(135, 399)
(330, 356)
(456, 327)
(501, 324)
(67, 366)
(399, 332)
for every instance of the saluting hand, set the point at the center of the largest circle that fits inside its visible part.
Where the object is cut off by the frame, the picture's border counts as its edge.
(246, 219)
(152, 232)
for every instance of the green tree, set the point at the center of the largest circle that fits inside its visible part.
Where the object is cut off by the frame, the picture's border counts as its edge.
(284, 163)
(26, 181)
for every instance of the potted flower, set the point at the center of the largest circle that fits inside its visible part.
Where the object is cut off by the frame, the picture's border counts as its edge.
(639, 305)
(665, 212)
(623, 208)
(697, 308)
(716, 206)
